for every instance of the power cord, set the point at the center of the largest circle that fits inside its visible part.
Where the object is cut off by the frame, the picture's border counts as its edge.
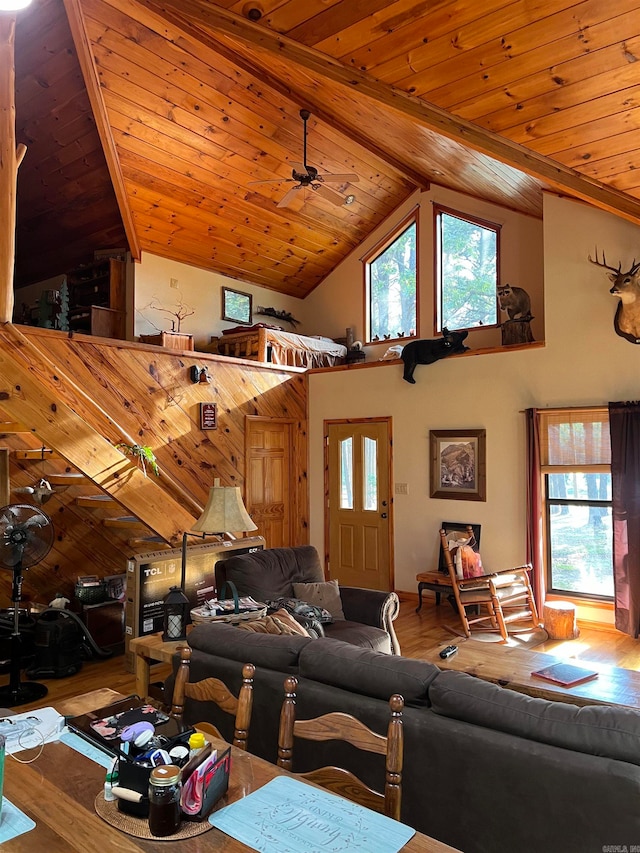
(27, 728)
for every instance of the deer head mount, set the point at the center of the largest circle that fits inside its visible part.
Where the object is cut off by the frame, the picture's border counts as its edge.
(626, 286)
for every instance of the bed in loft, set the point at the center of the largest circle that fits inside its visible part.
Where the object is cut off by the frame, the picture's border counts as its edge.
(277, 347)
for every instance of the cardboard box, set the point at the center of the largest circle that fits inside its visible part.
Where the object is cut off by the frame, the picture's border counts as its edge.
(151, 574)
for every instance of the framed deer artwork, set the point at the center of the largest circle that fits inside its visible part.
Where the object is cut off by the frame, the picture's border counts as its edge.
(626, 287)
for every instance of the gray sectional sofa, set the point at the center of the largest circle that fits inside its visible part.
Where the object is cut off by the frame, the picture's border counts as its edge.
(486, 770)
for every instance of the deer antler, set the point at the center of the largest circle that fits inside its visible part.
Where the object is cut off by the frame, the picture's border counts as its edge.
(604, 262)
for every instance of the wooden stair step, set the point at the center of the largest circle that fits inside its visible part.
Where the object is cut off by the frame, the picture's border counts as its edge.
(151, 542)
(68, 479)
(93, 500)
(124, 521)
(36, 454)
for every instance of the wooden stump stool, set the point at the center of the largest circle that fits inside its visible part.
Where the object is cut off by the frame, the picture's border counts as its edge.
(559, 619)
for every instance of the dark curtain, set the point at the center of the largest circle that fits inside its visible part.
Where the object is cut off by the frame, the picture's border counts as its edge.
(534, 508)
(624, 426)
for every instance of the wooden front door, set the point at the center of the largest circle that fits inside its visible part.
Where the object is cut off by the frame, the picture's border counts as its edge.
(359, 505)
(269, 491)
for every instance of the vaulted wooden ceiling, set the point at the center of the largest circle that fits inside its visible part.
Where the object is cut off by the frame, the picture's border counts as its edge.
(148, 123)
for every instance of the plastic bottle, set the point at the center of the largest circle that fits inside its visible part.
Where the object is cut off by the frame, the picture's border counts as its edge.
(164, 800)
(110, 780)
(197, 743)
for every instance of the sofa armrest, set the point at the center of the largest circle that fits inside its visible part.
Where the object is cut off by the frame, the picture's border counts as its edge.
(372, 607)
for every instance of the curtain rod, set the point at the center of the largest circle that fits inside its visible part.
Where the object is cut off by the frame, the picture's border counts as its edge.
(557, 410)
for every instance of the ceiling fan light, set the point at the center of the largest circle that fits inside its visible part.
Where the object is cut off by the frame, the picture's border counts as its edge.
(13, 5)
(349, 199)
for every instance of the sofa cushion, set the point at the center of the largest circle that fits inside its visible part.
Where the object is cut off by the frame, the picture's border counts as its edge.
(358, 634)
(325, 594)
(367, 672)
(271, 573)
(604, 730)
(268, 650)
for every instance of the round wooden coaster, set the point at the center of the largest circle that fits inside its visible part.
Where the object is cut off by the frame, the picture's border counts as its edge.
(139, 826)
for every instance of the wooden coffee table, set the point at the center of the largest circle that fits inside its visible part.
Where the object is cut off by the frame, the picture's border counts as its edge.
(512, 668)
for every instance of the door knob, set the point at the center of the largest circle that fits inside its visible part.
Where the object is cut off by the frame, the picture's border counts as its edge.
(383, 515)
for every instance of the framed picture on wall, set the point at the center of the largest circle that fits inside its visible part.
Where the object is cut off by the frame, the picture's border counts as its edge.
(458, 464)
(236, 306)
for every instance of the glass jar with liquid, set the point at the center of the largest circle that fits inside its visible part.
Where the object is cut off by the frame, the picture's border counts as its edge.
(164, 800)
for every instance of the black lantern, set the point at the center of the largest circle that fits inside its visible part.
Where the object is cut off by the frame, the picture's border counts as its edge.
(176, 615)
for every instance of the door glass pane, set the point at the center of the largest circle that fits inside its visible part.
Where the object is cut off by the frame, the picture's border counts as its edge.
(370, 468)
(346, 473)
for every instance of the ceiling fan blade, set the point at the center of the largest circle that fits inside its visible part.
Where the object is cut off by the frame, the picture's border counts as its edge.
(349, 176)
(272, 181)
(288, 197)
(300, 168)
(330, 195)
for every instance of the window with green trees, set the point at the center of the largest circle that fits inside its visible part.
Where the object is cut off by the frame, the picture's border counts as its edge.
(575, 458)
(391, 284)
(467, 269)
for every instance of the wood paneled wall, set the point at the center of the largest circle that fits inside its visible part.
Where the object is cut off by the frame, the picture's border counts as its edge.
(147, 394)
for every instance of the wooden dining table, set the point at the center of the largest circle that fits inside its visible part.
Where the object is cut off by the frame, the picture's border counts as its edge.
(58, 791)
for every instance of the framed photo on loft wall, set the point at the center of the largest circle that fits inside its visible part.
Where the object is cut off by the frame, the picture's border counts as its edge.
(236, 306)
(458, 464)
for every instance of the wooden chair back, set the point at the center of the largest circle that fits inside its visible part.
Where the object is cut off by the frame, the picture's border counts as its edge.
(345, 727)
(214, 690)
(506, 595)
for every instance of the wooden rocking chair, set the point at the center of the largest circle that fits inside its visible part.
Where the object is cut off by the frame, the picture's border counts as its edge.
(506, 596)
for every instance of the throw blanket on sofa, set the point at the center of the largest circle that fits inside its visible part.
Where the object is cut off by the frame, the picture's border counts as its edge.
(278, 623)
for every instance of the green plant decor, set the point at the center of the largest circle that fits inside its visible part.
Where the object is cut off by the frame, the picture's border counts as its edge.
(143, 454)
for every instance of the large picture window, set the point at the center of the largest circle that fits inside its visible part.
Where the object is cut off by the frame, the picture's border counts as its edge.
(391, 285)
(467, 270)
(576, 463)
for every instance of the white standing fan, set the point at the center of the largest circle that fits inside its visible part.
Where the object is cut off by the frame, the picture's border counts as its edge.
(26, 536)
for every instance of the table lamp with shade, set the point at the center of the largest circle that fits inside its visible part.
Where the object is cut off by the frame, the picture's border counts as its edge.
(224, 515)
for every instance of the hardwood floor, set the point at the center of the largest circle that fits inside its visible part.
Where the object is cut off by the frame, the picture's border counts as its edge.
(418, 633)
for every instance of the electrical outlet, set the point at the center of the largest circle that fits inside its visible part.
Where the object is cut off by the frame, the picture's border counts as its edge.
(402, 489)
(173, 282)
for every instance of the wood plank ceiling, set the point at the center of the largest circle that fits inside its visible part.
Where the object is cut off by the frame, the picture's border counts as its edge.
(194, 101)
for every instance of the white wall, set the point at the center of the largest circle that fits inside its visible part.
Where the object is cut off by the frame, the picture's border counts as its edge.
(339, 301)
(201, 291)
(583, 363)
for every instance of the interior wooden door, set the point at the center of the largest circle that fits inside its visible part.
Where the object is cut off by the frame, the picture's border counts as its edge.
(269, 491)
(359, 503)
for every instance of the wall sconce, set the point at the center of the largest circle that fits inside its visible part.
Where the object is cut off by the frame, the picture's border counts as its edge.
(199, 374)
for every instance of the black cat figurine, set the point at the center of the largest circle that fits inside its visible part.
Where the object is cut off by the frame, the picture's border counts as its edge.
(426, 352)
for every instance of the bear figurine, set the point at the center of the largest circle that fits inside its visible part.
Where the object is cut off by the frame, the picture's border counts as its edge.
(428, 351)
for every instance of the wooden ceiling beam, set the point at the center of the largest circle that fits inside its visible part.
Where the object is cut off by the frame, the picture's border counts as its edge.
(8, 165)
(297, 95)
(92, 82)
(518, 156)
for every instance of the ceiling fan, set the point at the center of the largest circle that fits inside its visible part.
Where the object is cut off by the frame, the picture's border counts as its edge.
(303, 175)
